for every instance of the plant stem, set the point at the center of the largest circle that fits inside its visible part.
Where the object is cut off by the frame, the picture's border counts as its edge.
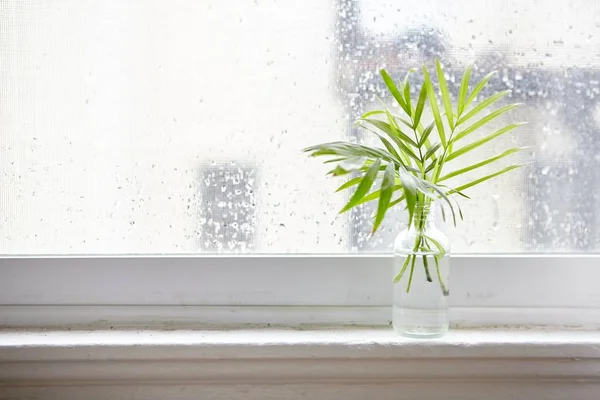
(426, 269)
(445, 290)
(398, 277)
(412, 269)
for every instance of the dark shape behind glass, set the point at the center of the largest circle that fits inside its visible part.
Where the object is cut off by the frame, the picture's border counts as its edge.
(227, 211)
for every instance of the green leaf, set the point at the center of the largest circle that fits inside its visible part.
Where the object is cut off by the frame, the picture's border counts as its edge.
(392, 132)
(387, 188)
(375, 195)
(434, 107)
(350, 183)
(485, 178)
(404, 121)
(394, 202)
(484, 104)
(431, 151)
(409, 184)
(420, 107)
(371, 113)
(485, 120)
(334, 160)
(389, 147)
(464, 88)
(399, 157)
(480, 164)
(426, 133)
(394, 91)
(444, 196)
(441, 251)
(478, 88)
(410, 71)
(379, 112)
(482, 141)
(402, 270)
(404, 148)
(352, 164)
(347, 149)
(431, 165)
(445, 94)
(403, 156)
(396, 130)
(363, 186)
(406, 88)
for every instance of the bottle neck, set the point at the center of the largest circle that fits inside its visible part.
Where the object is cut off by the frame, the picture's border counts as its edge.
(424, 216)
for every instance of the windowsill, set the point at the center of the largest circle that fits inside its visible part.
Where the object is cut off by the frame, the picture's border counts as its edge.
(264, 355)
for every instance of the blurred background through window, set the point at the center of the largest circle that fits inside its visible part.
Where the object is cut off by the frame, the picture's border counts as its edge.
(176, 127)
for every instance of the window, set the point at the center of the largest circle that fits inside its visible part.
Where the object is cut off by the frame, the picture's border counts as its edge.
(152, 127)
(110, 109)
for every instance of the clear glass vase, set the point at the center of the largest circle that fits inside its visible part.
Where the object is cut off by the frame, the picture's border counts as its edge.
(421, 270)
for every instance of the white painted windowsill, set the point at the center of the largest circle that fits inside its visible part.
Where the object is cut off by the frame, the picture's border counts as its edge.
(266, 357)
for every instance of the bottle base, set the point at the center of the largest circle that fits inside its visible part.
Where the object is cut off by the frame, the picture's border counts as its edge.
(420, 323)
(416, 334)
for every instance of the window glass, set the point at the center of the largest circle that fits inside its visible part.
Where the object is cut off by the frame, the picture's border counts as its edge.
(176, 127)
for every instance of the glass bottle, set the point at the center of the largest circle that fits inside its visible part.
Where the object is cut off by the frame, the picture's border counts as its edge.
(421, 270)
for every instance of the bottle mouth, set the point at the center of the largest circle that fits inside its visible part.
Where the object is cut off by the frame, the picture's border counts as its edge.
(425, 212)
(430, 206)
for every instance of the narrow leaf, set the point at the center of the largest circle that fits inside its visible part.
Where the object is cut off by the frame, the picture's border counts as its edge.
(431, 165)
(394, 91)
(406, 88)
(480, 164)
(485, 120)
(350, 183)
(364, 185)
(389, 147)
(352, 164)
(394, 202)
(392, 132)
(420, 107)
(379, 112)
(444, 196)
(431, 151)
(410, 71)
(387, 188)
(478, 88)
(464, 87)
(484, 104)
(482, 141)
(409, 184)
(438, 245)
(434, 107)
(334, 160)
(399, 157)
(485, 178)
(371, 113)
(426, 133)
(347, 149)
(404, 148)
(375, 195)
(445, 94)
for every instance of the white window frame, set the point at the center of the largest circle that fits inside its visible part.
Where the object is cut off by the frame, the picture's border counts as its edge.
(186, 290)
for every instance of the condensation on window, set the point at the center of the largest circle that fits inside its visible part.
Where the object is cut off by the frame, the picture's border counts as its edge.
(176, 127)
(227, 208)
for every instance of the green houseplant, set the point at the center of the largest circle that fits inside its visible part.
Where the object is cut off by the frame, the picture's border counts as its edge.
(411, 170)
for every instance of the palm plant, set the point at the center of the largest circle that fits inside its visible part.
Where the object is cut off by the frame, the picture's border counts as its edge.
(413, 161)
